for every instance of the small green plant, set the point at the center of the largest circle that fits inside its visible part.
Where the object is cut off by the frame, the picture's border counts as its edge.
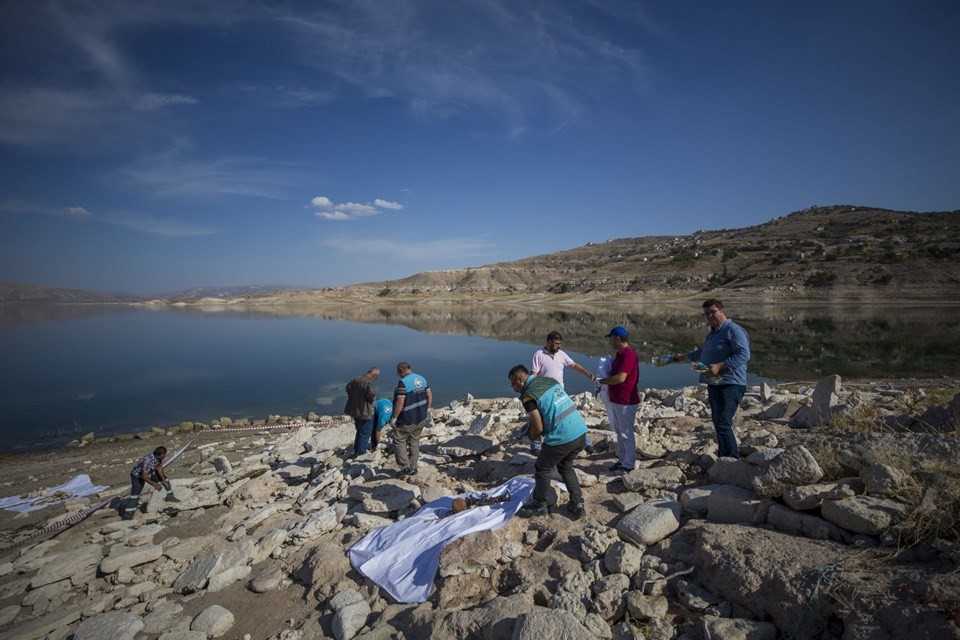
(821, 279)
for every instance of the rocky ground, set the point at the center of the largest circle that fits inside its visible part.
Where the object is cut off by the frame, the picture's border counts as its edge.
(840, 522)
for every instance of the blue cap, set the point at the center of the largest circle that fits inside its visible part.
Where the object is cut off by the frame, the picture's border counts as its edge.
(617, 331)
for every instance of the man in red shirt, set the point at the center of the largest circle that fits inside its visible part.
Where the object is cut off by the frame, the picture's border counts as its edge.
(624, 398)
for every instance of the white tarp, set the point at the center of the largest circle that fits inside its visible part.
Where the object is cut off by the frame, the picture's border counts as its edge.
(403, 557)
(78, 486)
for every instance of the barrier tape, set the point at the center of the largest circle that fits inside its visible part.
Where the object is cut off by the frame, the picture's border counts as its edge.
(82, 514)
(72, 519)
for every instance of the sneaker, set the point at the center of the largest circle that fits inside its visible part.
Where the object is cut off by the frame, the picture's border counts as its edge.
(533, 508)
(408, 471)
(577, 509)
(127, 515)
(615, 468)
(171, 498)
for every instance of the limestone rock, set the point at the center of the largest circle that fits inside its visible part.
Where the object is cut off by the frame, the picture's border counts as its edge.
(116, 626)
(215, 621)
(795, 466)
(650, 522)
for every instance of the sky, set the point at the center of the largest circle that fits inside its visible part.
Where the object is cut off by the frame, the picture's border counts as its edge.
(153, 146)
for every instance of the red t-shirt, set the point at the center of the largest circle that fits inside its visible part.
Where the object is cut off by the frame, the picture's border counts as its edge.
(625, 392)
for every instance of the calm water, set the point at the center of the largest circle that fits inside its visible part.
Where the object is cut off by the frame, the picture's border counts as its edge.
(70, 370)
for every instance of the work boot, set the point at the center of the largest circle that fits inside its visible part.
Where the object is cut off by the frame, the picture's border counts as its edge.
(577, 509)
(129, 508)
(533, 508)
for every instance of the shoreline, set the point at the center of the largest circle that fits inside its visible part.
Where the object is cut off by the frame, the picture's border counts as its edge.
(52, 444)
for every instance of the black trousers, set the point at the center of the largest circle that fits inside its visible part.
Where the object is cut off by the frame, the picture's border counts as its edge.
(559, 457)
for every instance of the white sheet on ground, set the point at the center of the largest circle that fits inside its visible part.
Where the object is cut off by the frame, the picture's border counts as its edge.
(403, 557)
(78, 486)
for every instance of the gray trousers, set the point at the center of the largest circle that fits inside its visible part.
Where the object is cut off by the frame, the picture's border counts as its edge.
(406, 444)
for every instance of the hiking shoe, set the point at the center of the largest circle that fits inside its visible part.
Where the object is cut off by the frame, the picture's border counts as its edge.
(408, 471)
(577, 509)
(615, 468)
(126, 515)
(533, 508)
(171, 498)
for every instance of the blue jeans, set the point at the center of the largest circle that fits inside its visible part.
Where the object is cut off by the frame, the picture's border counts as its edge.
(724, 402)
(364, 431)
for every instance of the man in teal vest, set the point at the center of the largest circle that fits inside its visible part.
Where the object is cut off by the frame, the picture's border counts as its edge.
(551, 413)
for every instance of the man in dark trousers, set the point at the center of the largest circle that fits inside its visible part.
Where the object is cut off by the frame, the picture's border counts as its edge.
(724, 354)
(361, 394)
(148, 470)
(551, 413)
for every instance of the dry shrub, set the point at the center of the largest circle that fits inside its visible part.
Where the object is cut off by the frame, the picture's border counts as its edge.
(862, 418)
(937, 516)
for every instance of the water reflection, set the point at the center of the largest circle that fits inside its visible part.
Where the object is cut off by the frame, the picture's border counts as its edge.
(788, 342)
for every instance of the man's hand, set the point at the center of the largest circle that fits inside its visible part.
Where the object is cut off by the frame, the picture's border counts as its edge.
(715, 369)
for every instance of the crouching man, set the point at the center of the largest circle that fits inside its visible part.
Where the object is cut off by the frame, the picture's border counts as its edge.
(149, 470)
(553, 414)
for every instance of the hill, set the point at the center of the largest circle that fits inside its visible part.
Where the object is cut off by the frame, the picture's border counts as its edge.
(15, 292)
(839, 252)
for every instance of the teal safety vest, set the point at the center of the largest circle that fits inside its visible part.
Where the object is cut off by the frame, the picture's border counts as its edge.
(562, 423)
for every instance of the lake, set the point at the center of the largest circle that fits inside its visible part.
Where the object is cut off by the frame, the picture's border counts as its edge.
(67, 370)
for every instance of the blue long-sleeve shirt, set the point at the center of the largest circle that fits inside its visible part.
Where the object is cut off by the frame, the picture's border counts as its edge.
(730, 345)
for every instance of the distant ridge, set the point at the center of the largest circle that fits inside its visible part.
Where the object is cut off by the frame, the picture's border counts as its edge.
(838, 253)
(249, 290)
(35, 293)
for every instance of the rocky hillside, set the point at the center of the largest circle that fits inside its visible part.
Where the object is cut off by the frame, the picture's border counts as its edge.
(836, 253)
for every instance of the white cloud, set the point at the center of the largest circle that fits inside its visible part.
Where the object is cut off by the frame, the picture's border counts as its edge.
(329, 210)
(77, 212)
(386, 204)
(333, 215)
(356, 209)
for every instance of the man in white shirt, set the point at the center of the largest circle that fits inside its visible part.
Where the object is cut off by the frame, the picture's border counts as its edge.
(549, 362)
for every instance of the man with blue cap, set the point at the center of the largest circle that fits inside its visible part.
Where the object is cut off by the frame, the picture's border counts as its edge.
(624, 398)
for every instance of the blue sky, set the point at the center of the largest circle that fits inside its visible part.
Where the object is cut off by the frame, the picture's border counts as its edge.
(148, 147)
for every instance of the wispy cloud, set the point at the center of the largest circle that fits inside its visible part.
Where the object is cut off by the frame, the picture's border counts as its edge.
(23, 207)
(327, 209)
(166, 227)
(525, 63)
(174, 174)
(145, 223)
(50, 117)
(157, 101)
(425, 252)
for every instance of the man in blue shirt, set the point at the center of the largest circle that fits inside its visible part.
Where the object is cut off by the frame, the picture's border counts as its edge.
(553, 414)
(725, 353)
(382, 413)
